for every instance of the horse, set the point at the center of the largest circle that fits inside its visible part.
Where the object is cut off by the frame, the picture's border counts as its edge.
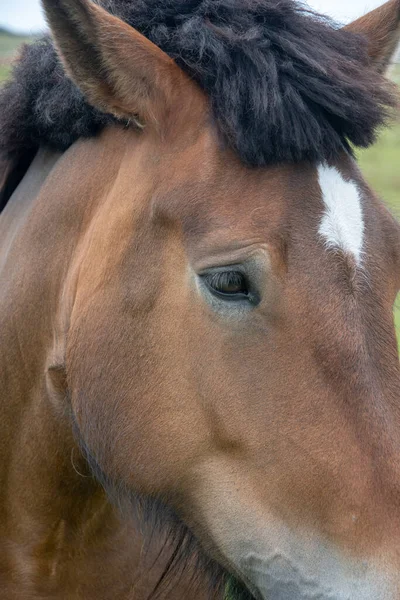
(200, 380)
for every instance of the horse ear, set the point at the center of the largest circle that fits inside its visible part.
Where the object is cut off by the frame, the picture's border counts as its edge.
(382, 29)
(118, 70)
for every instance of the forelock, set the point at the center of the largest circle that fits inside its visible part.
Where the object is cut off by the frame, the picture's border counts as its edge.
(284, 84)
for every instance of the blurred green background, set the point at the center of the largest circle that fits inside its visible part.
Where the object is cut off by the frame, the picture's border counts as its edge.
(9, 44)
(381, 164)
(381, 167)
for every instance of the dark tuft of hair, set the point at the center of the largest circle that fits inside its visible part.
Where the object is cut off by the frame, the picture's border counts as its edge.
(284, 83)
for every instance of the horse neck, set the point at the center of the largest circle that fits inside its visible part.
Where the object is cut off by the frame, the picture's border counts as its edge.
(40, 230)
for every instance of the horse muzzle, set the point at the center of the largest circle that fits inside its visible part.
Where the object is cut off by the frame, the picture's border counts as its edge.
(279, 577)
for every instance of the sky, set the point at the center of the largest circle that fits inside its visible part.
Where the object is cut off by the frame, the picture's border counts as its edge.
(26, 15)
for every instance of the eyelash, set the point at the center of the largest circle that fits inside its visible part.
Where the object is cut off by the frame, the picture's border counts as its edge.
(229, 280)
(238, 288)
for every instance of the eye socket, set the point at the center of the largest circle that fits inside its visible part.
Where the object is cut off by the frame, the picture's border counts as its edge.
(229, 285)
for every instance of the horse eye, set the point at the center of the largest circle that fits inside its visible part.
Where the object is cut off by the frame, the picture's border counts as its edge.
(227, 284)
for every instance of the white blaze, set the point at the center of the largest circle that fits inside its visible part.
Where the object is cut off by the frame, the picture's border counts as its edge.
(342, 225)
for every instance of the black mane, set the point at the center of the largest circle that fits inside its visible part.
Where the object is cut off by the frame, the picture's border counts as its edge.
(284, 84)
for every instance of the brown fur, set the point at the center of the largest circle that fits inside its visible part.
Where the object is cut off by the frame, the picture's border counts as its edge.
(382, 28)
(289, 411)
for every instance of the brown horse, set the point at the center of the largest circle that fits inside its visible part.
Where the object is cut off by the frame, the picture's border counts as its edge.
(199, 370)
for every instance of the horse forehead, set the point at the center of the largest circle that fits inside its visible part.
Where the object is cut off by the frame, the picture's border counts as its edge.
(326, 201)
(240, 199)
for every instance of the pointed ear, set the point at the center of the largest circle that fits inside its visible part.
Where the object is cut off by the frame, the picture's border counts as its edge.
(382, 29)
(118, 70)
